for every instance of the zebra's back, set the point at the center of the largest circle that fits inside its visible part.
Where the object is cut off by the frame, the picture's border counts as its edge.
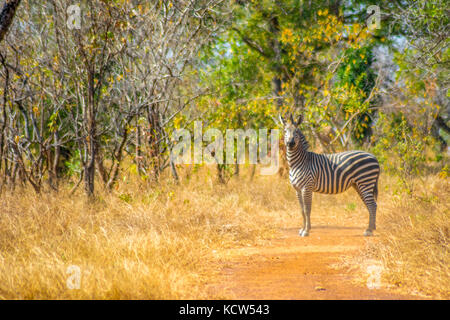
(335, 173)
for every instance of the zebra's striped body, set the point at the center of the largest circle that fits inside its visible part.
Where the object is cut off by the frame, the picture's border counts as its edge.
(331, 174)
(334, 173)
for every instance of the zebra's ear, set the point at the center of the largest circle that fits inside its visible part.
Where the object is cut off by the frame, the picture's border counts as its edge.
(292, 119)
(300, 120)
(282, 120)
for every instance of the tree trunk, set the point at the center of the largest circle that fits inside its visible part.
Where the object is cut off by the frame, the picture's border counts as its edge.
(174, 171)
(439, 123)
(7, 16)
(52, 163)
(90, 123)
(138, 156)
(3, 141)
(220, 173)
(274, 27)
(154, 136)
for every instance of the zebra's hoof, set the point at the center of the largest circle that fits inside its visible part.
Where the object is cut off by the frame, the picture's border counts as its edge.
(368, 233)
(304, 233)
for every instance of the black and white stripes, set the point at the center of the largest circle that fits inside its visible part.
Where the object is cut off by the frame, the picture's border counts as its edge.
(329, 173)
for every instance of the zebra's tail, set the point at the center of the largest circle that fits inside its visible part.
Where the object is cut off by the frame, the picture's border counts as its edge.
(375, 190)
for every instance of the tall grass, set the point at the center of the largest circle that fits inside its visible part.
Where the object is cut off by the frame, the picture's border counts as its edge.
(137, 242)
(414, 242)
(160, 242)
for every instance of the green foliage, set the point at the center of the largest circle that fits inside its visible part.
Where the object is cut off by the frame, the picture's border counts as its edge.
(401, 148)
(356, 69)
(74, 165)
(238, 89)
(281, 55)
(355, 75)
(350, 207)
(126, 197)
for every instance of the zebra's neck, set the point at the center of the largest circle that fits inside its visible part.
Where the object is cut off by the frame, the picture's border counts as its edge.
(297, 156)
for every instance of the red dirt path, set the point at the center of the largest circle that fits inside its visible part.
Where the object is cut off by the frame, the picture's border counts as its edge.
(292, 267)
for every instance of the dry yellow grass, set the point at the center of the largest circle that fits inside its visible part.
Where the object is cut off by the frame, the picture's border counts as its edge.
(414, 244)
(142, 242)
(134, 243)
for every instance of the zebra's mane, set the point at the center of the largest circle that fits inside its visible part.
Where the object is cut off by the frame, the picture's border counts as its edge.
(304, 142)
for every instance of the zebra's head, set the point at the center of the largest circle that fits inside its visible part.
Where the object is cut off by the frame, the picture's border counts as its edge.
(292, 134)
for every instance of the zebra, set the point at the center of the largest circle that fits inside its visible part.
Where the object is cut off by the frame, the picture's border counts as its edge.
(329, 173)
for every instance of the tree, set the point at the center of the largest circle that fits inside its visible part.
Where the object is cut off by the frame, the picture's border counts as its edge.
(424, 58)
(294, 52)
(111, 88)
(7, 15)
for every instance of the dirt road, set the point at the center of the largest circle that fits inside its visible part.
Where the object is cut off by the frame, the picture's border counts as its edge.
(292, 267)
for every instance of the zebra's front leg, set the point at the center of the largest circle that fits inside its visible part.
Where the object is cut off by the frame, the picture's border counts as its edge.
(302, 208)
(307, 200)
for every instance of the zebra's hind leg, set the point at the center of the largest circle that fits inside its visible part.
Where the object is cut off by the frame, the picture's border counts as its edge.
(366, 192)
(302, 208)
